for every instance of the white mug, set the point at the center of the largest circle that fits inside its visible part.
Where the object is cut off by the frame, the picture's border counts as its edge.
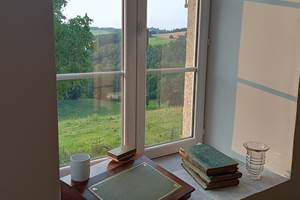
(80, 167)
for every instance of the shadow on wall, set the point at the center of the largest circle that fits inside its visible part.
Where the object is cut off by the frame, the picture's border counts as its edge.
(268, 77)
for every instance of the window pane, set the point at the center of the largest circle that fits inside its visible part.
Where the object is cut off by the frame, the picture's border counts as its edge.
(89, 116)
(86, 41)
(89, 110)
(171, 44)
(169, 107)
(172, 35)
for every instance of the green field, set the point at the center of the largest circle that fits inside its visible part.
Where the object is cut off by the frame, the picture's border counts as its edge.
(91, 126)
(154, 41)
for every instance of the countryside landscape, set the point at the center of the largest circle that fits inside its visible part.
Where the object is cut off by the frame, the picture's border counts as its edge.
(89, 110)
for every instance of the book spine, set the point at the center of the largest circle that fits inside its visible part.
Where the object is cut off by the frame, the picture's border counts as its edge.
(124, 158)
(212, 179)
(210, 186)
(194, 176)
(224, 184)
(223, 170)
(192, 160)
(202, 174)
(226, 177)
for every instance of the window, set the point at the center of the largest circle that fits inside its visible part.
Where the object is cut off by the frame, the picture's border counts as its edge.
(170, 70)
(128, 78)
(89, 77)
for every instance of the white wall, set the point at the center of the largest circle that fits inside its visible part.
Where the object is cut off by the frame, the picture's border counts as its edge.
(28, 124)
(253, 74)
(222, 69)
(268, 77)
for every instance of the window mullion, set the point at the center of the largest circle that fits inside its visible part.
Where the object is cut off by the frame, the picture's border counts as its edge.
(201, 64)
(130, 63)
(141, 73)
(172, 70)
(86, 75)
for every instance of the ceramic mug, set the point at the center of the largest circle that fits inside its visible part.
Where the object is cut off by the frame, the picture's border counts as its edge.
(80, 167)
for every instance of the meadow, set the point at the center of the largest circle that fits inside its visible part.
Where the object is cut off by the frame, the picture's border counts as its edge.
(91, 126)
(156, 40)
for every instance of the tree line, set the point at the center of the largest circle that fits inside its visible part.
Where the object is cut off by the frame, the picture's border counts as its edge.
(78, 50)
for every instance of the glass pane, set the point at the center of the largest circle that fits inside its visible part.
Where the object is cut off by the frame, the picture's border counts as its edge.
(172, 35)
(89, 116)
(171, 43)
(88, 110)
(169, 107)
(88, 35)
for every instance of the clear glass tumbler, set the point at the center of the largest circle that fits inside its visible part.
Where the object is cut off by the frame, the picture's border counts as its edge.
(255, 159)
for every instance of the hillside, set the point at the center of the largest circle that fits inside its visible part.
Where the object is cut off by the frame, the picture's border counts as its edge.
(102, 31)
(171, 35)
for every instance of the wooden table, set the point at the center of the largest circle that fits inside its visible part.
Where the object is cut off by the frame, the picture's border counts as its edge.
(108, 168)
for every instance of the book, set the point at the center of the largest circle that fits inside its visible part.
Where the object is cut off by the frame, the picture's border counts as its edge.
(210, 186)
(121, 153)
(141, 178)
(212, 179)
(208, 159)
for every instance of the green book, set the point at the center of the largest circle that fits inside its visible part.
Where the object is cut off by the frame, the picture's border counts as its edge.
(210, 186)
(142, 181)
(208, 159)
(212, 179)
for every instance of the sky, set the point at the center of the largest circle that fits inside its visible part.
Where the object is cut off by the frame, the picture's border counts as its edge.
(163, 14)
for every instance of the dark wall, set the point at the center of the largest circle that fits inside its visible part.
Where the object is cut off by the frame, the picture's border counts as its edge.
(28, 134)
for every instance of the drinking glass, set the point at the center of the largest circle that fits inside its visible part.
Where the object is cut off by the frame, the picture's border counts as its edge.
(255, 159)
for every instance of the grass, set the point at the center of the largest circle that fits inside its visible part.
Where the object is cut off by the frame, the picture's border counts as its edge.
(91, 126)
(154, 41)
(163, 125)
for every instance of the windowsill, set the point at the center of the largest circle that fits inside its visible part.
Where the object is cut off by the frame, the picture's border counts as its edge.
(245, 189)
(66, 170)
(172, 163)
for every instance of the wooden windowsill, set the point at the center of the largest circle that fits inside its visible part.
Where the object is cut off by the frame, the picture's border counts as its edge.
(65, 171)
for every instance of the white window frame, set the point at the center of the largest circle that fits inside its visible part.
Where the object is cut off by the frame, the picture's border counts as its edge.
(200, 71)
(133, 72)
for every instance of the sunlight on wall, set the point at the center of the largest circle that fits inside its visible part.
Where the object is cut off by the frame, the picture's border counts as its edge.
(294, 1)
(268, 77)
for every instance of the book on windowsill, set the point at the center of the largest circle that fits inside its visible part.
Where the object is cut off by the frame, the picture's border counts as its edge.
(209, 160)
(212, 185)
(122, 153)
(212, 179)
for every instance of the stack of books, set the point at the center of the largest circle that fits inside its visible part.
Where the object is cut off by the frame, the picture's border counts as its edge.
(122, 153)
(209, 167)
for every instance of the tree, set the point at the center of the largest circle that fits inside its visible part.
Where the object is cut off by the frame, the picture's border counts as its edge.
(74, 44)
(162, 88)
(153, 80)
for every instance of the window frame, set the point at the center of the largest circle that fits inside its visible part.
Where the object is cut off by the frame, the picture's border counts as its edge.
(199, 68)
(133, 73)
